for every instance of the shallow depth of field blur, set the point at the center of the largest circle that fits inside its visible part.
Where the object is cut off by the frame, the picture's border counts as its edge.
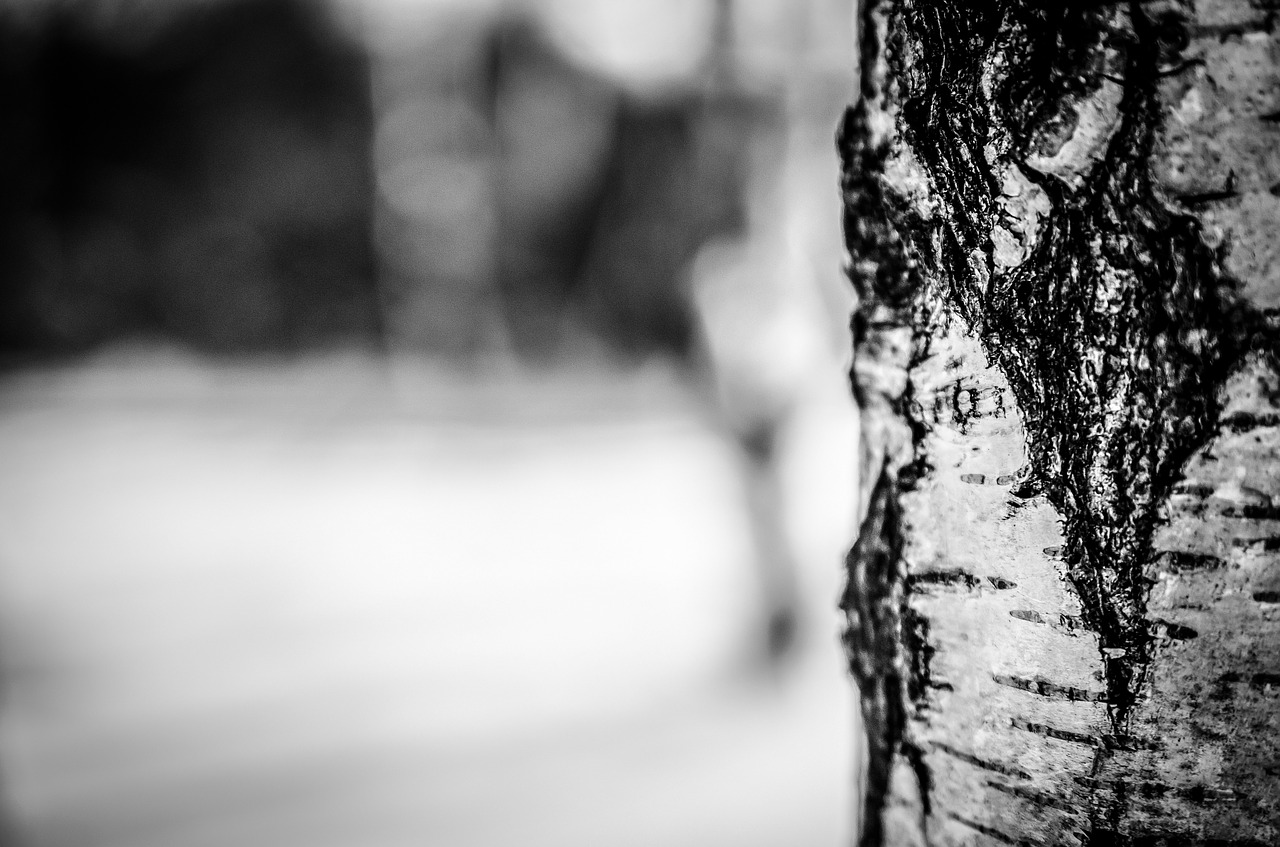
(423, 422)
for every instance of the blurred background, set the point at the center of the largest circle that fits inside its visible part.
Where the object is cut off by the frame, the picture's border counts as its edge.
(423, 422)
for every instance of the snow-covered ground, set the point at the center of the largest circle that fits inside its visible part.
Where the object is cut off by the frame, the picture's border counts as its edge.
(349, 603)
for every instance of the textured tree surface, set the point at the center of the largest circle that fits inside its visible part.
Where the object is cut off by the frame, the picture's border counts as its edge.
(1064, 603)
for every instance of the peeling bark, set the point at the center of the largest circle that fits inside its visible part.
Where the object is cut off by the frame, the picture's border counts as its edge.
(1061, 221)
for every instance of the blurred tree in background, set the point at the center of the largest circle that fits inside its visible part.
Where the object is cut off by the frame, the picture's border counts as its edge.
(194, 172)
(444, 177)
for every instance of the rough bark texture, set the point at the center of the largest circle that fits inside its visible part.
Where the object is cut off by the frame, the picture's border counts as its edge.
(1064, 224)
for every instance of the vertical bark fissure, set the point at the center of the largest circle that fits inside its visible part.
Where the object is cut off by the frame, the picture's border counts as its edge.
(997, 169)
(872, 602)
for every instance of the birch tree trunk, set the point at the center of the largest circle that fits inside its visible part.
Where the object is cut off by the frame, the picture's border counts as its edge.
(1064, 603)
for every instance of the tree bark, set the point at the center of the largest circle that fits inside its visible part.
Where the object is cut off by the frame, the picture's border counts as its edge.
(1063, 221)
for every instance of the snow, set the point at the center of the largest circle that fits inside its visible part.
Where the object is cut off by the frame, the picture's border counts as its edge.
(345, 601)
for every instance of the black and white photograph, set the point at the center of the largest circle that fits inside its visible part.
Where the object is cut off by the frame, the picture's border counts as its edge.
(642, 423)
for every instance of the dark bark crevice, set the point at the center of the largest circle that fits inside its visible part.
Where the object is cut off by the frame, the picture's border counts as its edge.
(872, 604)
